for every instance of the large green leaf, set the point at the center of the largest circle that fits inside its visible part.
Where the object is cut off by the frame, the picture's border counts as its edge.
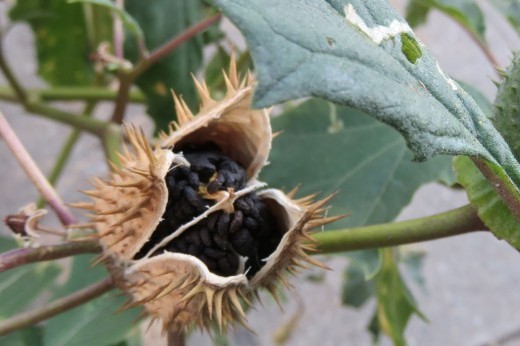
(511, 10)
(491, 208)
(161, 20)
(30, 336)
(93, 323)
(61, 39)
(507, 106)
(465, 12)
(330, 148)
(363, 54)
(17, 286)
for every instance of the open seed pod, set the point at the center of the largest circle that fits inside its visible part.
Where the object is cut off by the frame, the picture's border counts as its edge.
(185, 232)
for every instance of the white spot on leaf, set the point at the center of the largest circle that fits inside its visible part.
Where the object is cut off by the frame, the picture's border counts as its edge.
(450, 81)
(378, 33)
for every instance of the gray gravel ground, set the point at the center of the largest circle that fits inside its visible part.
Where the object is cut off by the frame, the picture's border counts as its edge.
(471, 280)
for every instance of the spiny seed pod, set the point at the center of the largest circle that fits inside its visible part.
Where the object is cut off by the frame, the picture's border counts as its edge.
(183, 229)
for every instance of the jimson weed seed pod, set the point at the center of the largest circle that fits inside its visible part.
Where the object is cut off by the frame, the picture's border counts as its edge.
(187, 230)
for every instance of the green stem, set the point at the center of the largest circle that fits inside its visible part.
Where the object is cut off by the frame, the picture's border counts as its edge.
(66, 151)
(447, 224)
(71, 94)
(112, 143)
(80, 297)
(17, 257)
(93, 126)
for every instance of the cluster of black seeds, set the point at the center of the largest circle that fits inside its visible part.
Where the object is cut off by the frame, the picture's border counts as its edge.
(218, 240)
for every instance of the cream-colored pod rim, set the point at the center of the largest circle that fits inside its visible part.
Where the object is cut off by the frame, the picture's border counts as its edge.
(127, 207)
(242, 133)
(179, 290)
(296, 218)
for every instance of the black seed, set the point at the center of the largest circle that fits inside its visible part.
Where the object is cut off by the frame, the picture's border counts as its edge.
(205, 236)
(221, 242)
(194, 238)
(225, 267)
(250, 223)
(238, 216)
(192, 197)
(223, 224)
(242, 241)
(214, 253)
(219, 239)
(193, 250)
(193, 179)
(212, 220)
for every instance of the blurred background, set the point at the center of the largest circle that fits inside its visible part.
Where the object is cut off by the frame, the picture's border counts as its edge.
(469, 296)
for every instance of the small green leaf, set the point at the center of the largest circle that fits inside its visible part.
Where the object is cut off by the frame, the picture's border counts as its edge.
(329, 148)
(61, 40)
(17, 286)
(395, 304)
(465, 12)
(511, 10)
(366, 69)
(410, 48)
(507, 106)
(492, 210)
(413, 265)
(356, 288)
(128, 21)
(93, 323)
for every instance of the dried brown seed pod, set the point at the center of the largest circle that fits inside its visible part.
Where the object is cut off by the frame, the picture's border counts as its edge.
(183, 229)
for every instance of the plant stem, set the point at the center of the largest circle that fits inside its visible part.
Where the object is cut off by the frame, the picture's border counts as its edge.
(71, 94)
(17, 257)
(171, 45)
(11, 78)
(66, 151)
(34, 173)
(112, 143)
(126, 78)
(450, 223)
(505, 191)
(80, 297)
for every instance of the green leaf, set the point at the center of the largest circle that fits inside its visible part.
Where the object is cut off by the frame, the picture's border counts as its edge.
(416, 13)
(30, 336)
(356, 289)
(492, 210)
(507, 106)
(93, 323)
(481, 100)
(358, 285)
(363, 159)
(161, 20)
(395, 304)
(350, 52)
(511, 10)
(61, 40)
(413, 265)
(465, 12)
(128, 21)
(17, 286)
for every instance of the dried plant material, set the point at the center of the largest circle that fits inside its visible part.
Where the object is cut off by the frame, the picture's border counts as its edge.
(185, 232)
